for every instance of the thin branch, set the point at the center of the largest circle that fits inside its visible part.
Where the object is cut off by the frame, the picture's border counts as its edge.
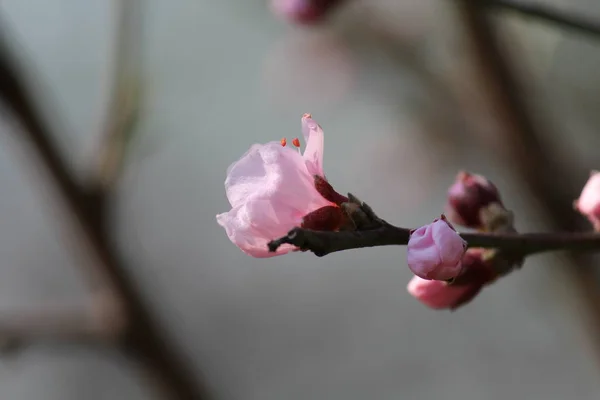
(18, 330)
(322, 243)
(124, 102)
(145, 338)
(546, 14)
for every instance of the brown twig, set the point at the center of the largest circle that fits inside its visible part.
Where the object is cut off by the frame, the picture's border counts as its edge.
(143, 337)
(21, 329)
(322, 243)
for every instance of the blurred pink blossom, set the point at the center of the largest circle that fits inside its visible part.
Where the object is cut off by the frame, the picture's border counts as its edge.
(274, 188)
(435, 251)
(589, 201)
(303, 11)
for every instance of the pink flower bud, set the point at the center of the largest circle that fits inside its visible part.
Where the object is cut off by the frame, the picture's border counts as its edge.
(435, 251)
(442, 295)
(303, 11)
(467, 196)
(589, 201)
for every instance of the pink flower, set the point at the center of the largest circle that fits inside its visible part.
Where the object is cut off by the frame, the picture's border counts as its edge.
(589, 201)
(443, 295)
(435, 250)
(274, 188)
(467, 196)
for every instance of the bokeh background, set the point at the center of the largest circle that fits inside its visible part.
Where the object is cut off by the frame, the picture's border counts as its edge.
(392, 83)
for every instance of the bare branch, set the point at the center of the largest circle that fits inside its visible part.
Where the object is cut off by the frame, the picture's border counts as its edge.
(124, 102)
(23, 328)
(144, 338)
(546, 14)
(322, 243)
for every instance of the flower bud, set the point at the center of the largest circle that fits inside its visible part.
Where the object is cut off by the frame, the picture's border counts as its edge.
(441, 295)
(303, 11)
(434, 251)
(477, 272)
(588, 203)
(468, 196)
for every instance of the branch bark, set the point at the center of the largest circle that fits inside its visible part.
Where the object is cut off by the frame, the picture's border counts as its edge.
(322, 243)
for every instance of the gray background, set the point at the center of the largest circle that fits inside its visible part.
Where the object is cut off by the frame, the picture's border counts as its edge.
(389, 83)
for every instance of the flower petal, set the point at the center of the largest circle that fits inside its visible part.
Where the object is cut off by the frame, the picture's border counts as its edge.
(452, 246)
(253, 225)
(313, 154)
(440, 295)
(270, 170)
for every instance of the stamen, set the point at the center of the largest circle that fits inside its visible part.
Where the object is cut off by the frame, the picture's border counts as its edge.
(296, 142)
(283, 142)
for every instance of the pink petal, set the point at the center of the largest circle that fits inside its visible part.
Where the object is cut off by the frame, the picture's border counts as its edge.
(589, 200)
(253, 225)
(450, 241)
(313, 154)
(422, 254)
(270, 170)
(439, 295)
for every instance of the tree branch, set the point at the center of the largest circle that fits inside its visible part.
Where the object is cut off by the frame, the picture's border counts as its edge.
(18, 330)
(124, 102)
(547, 14)
(322, 243)
(144, 337)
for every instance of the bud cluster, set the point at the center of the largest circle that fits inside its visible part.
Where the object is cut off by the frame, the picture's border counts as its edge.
(473, 202)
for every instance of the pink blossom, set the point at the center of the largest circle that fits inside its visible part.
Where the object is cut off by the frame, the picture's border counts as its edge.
(274, 188)
(477, 273)
(589, 201)
(435, 250)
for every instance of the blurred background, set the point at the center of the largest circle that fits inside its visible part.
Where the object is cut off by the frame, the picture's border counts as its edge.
(395, 88)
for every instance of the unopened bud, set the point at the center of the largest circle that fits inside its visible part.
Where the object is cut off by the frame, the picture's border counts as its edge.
(468, 196)
(478, 271)
(434, 251)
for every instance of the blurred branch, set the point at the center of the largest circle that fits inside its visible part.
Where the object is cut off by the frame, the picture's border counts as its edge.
(547, 14)
(143, 338)
(63, 326)
(124, 101)
(538, 165)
